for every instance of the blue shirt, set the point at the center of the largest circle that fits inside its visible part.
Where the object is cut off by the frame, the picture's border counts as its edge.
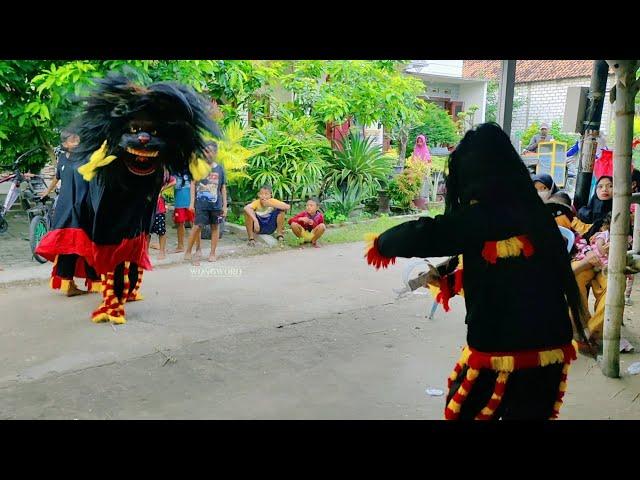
(183, 191)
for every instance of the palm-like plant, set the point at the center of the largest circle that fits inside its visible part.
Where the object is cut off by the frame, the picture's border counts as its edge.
(358, 170)
(232, 154)
(291, 157)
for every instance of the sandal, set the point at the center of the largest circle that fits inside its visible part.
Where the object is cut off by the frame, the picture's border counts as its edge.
(252, 242)
(280, 240)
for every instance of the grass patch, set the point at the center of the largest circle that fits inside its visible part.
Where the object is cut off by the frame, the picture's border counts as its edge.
(350, 233)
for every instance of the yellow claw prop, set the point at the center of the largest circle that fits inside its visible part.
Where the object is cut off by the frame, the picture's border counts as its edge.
(97, 160)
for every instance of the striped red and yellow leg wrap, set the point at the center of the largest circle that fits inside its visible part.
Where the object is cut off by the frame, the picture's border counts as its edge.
(125, 288)
(93, 286)
(134, 295)
(57, 282)
(496, 397)
(452, 411)
(504, 363)
(111, 308)
(561, 391)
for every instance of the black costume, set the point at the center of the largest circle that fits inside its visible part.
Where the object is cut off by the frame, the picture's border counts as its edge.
(129, 134)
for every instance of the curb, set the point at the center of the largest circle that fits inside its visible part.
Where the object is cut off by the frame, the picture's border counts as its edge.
(41, 274)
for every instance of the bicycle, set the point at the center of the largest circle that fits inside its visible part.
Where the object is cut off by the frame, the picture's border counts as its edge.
(41, 219)
(35, 184)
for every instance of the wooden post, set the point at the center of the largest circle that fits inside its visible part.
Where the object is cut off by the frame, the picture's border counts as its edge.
(591, 130)
(625, 91)
(507, 85)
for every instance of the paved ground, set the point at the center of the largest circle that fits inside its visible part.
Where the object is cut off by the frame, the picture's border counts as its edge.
(15, 251)
(18, 264)
(290, 335)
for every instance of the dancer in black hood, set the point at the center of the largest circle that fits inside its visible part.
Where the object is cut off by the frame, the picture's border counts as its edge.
(518, 284)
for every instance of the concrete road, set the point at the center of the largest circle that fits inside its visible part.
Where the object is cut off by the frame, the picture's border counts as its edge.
(300, 334)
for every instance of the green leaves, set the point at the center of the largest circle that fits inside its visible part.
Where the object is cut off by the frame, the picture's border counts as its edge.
(436, 124)
(357, 171)
(291, 157)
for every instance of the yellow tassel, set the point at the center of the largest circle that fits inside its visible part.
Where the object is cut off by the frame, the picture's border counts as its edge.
(98, 159)
(65, 285)
(503, 364)
(464, 358)
(454, 406)
(551, 356)
(472, 374)
(369, 239)
(199, 169)
(509, 248)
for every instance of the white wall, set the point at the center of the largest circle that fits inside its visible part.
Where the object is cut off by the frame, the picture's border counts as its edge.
(450, 68)
(442, 90)
(475, 94)
(544, 102)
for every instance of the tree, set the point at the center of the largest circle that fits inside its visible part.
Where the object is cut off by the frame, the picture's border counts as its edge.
(402, 110)
(491, 109)
(36, 97)
(436, 124)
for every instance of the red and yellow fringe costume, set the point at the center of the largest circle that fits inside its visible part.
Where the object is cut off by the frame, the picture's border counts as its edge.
(511, 247)
(450, 286)
(112, 307)
(64, 284)
(504, 363)
(373, 255)
(134, 293)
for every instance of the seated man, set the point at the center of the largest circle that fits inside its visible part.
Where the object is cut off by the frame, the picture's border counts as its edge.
(308, 225)
(265, 215)
(543, 136)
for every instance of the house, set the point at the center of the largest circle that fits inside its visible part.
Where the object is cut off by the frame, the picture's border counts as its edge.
(448, 87)
(541, 88)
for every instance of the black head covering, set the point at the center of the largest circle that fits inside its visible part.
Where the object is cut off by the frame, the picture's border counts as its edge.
(596, 209)
(547, 181)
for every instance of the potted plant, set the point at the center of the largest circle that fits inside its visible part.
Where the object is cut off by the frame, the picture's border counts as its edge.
(384, 201)
(404, 189)
(421, 170)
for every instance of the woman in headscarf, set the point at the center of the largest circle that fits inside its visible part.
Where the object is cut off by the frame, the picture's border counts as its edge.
(421, 153)
(517, 280)
(421, 150)
(599, 205)
(545, 186)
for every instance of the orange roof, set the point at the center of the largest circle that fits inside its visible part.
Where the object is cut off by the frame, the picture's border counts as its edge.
(529, 70)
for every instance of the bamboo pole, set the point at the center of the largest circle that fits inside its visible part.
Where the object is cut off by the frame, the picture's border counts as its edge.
(625, 91)
(636, 227)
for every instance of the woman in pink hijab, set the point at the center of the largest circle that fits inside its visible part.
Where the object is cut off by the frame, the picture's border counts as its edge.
(421, 150)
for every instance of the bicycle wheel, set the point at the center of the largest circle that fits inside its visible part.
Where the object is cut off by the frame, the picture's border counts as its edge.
(37, 230)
